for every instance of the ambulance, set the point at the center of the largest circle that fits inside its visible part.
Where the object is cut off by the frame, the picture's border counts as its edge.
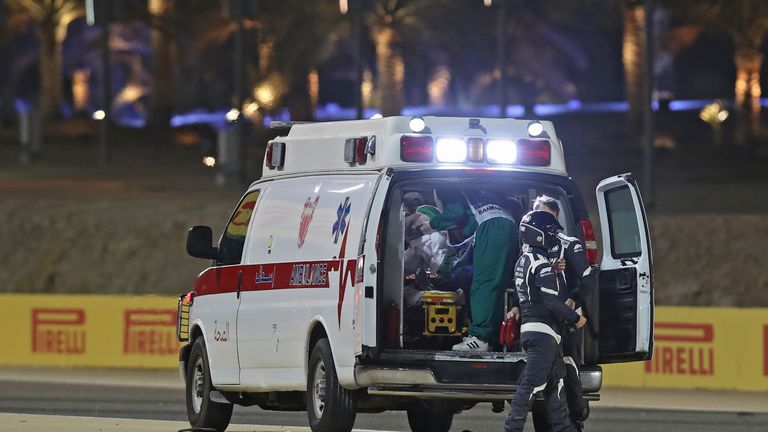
(323, 296)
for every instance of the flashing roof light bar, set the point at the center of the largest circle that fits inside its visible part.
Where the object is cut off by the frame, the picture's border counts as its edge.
(501, 151)
(451, 150)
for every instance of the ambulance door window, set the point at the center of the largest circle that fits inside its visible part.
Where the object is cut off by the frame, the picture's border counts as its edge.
(625, 240)
(233, 238)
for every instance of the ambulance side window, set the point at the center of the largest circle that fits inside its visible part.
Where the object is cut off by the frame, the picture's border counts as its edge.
(622, 221)
(233, 239)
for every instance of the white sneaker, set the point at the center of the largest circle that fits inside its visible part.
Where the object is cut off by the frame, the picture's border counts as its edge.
(471, 343)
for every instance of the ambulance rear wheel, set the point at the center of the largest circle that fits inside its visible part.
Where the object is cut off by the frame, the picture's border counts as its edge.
(201, 410)
(330, 407)
(435, 418)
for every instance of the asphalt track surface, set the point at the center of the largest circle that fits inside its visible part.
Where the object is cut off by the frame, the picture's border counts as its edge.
(164, 403)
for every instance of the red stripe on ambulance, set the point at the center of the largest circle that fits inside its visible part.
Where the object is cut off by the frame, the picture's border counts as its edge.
(272, 276)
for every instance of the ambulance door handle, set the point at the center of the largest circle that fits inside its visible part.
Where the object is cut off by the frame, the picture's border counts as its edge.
(239, 282)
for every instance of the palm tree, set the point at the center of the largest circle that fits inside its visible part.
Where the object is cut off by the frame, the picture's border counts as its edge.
(746, 21)
(383, 22)
(287, 40)
(288, 58)
(51, 18)
(387, 21)
(633, 51)
(163, 62)
(459, 37)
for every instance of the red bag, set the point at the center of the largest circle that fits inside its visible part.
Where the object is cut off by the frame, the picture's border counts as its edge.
(510, 333)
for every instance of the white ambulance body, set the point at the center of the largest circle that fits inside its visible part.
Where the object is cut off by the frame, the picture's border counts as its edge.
(303, 306)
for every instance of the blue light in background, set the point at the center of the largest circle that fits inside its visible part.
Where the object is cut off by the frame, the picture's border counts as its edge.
(606, 107)
(574, 104)
(688, 105)
(333, 111)
(22, 105)
(551, 109)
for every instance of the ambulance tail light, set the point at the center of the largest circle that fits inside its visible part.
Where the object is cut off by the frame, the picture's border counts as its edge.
(417, 148)
(534, 152)
(275, 157)
(590, 244)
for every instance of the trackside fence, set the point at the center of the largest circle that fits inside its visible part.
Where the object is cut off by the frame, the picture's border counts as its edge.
(695, 347)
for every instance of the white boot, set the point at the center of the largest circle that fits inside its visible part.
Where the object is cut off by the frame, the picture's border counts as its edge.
(471, 343)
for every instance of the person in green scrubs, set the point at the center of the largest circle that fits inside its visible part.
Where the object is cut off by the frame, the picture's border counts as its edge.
(495, 248)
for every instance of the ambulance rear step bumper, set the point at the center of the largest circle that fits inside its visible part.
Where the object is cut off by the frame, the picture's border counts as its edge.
(476, 394)
(465, 356)
(483, 372)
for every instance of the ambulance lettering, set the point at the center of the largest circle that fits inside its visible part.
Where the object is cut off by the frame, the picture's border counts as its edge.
(58, 330)
(683, 349)
(309, 275)
(221, 334)
(150, 332)
(262, 277)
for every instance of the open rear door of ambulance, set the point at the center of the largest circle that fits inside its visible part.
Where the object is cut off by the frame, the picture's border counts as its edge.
(625, 312)
(368, 296)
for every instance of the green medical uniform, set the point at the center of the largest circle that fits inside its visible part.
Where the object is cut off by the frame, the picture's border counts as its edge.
(494, 255)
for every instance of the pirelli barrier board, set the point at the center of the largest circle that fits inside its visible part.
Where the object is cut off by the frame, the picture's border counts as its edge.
(711, 348)
(89, 330)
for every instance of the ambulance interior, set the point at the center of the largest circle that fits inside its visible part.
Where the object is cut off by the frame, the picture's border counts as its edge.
(428, 307)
